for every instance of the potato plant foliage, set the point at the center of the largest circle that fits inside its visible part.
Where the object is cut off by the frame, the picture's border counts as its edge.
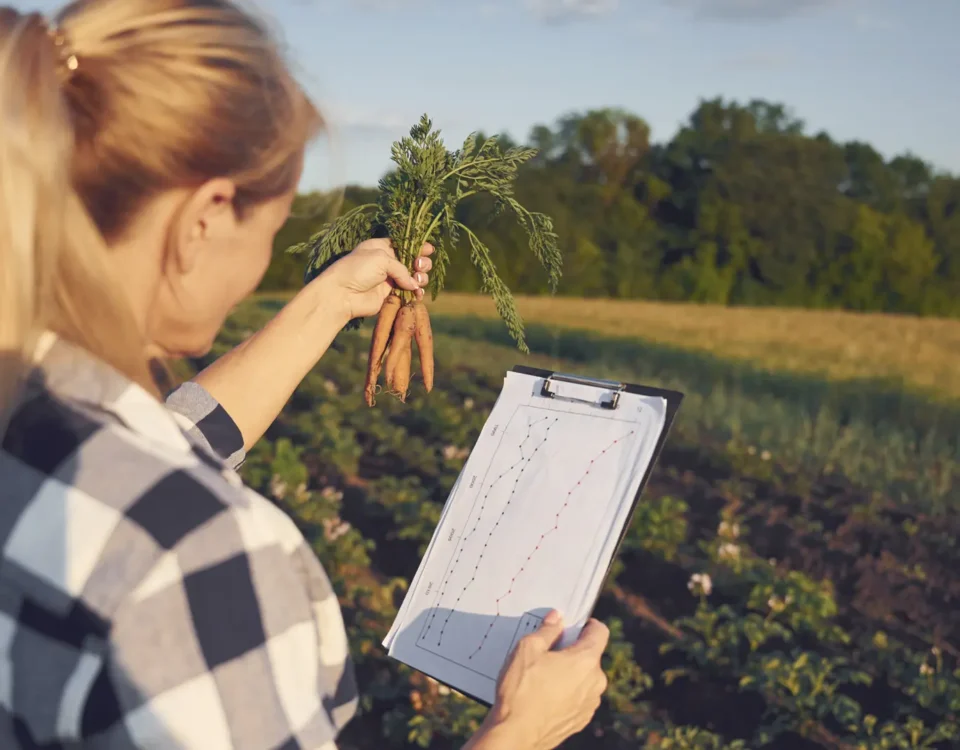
(752, 605)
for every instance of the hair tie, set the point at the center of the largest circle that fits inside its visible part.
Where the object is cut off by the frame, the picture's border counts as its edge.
(62, 42)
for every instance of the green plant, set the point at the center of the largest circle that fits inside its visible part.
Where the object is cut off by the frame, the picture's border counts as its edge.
(659, 526)
(691, 738)
(417, 203)
(755, 652)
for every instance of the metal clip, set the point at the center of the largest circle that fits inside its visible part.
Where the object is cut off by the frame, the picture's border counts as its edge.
(609, 385)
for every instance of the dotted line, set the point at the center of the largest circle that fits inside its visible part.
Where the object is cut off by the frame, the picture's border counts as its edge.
(524, 460)
(556, 526)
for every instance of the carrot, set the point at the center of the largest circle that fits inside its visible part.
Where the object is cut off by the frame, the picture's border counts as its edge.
(424, 337)
(378, 344)
(400, 341)
(401, 376)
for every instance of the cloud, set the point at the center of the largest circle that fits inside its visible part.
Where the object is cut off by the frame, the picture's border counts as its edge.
(549, 11)
(353, 120)
(754, 10)
(555, 11)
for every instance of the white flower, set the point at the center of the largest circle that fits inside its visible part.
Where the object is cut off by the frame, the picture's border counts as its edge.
(468, 404)
(752, 450)
(729, 551)
(334, 528)
(765, 456)
(700, 583)
(278, 488)
(926, 669)
(451, 452)
(728, 529)
(331, 493)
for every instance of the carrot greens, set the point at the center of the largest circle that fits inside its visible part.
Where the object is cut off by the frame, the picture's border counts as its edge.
(417, 203)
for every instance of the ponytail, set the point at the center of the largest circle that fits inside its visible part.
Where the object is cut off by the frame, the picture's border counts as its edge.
(35, 149)
(125, 100)
(53, 262)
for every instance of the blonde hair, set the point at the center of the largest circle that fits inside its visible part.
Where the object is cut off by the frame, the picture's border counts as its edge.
(121, 100)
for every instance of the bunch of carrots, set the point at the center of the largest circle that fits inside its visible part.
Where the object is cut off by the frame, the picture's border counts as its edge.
(417, 203)
(399, 324)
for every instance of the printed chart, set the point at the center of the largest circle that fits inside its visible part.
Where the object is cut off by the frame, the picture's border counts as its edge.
(530, 526)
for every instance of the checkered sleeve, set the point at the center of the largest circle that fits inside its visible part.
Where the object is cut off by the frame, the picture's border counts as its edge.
(152, 600)
(206, 421)
(232, 640)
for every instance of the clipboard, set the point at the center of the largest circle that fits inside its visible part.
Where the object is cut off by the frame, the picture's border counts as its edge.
(609, 399)
(673, 398)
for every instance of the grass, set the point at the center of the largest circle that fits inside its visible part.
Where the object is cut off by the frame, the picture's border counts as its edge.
(885, 440)
(913, 354)
(870, 431)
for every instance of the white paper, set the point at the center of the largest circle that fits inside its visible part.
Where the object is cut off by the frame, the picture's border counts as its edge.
(530, 525)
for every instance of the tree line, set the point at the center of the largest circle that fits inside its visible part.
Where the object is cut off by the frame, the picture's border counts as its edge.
(741, 207)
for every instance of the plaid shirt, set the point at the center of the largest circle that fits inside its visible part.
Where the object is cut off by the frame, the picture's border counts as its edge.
(147, 598)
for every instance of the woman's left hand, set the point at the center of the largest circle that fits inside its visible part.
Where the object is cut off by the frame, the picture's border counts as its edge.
(371, 271)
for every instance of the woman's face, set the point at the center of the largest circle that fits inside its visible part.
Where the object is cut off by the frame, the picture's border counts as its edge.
(218, 259)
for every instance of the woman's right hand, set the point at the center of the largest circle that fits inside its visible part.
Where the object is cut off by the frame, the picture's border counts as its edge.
(545, 696)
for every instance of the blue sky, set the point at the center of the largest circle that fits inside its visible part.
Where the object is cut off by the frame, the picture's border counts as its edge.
(883, 71)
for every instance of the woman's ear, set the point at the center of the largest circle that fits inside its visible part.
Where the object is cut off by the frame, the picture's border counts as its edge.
(206, 217)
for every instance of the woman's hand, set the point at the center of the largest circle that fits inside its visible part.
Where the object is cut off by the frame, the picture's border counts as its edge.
(544, 696)
(254, 380)
(367, 275)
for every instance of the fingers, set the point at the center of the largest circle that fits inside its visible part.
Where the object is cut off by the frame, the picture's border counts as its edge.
(400, 276)
(421, 265)
(593, 638)
(543, 639)
(384, 245)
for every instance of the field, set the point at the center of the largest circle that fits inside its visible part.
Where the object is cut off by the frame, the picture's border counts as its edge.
(788, 579)
(906, 352)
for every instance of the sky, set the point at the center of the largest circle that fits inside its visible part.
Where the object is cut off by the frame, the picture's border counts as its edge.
(881, 71)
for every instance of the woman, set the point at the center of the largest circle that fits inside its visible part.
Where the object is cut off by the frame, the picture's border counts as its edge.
(149, 152)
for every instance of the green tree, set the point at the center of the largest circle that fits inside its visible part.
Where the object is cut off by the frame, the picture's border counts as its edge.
(742, 206)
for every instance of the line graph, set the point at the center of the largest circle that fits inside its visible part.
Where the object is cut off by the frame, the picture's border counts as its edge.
(521, 462)
(543, 537)
(498, 556)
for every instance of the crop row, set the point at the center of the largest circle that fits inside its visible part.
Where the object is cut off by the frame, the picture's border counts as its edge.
(750, 605)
